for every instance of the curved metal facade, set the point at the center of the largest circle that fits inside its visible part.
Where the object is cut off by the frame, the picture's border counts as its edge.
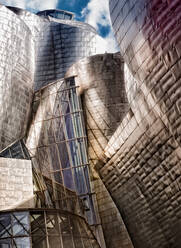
(35, 52)
(100, 78)
(16, 72)
(146, 167)
(59, 44)
(100, 81)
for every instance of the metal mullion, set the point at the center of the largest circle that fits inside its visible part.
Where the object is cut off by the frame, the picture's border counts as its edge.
(86, 158)
(61, 171)
(60, 231)
(22, 150)
(6, 230)
(71, 232)
(39, 225)
(80, 234)
(81, 112)
(30, 236)
(59, 157)
(84, 225)
(62, 141)
(79, 143)
(10, 152)
(83, 125)
(20, 223)
(14, 243)
(68, 198)
(56, 117)
(52, 181)
(47, 239)
(80, 157)
(68, 148)
(59, 91)
(12, 235)
(80, 165)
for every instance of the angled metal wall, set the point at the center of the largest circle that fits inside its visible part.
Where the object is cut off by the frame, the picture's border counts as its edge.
(16, 73)
(58, 44)
(146, 167)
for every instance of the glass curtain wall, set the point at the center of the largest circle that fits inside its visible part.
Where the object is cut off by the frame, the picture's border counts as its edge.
(44, 229)
(58, 146)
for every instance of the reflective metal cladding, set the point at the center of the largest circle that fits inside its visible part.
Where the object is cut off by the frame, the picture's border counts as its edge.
(43, 143)
(16, 73)
(59, 42)
(100, 80)
(146, 185)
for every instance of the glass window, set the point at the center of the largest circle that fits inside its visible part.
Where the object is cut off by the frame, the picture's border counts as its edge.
(5, 226)
(20, 223)
(68, 179)
(60, 15)
(22, 242)
(5, 243)
(58, 177)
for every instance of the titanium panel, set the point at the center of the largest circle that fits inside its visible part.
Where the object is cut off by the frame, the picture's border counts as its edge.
(16, 77)
(58, 45)
(101, 82)
(146, 167)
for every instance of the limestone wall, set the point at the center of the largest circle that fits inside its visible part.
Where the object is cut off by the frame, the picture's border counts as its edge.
(16, 184)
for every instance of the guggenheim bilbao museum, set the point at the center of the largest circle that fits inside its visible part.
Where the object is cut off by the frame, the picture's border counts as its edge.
(90, 144)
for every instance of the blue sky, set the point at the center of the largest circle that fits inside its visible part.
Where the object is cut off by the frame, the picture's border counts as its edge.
(94, 12)
(78, 6)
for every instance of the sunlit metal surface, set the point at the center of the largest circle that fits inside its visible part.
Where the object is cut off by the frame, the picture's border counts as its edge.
(57, 143)
(145, 149)
(16, 76)
(100, 79)
(58, 44)
(36, 52)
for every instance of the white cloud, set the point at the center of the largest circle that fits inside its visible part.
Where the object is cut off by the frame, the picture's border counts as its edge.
(42, 4)
(32, 4)
(15, 3)
(97, 13)
(107, 44)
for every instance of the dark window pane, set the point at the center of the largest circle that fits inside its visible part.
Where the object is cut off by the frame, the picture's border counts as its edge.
(52, 225)
(37, 225)
(5, 225)
(63, 155)
(68, 179)
(81, 187)
(54, 242)
(5, 243)
(58, 177)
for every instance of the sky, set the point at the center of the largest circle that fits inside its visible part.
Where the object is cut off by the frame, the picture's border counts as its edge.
(94, 12)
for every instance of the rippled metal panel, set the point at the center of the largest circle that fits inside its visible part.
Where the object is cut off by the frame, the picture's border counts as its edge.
(146, 186)
(58, 45)
(101, 83)
(16, 76)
